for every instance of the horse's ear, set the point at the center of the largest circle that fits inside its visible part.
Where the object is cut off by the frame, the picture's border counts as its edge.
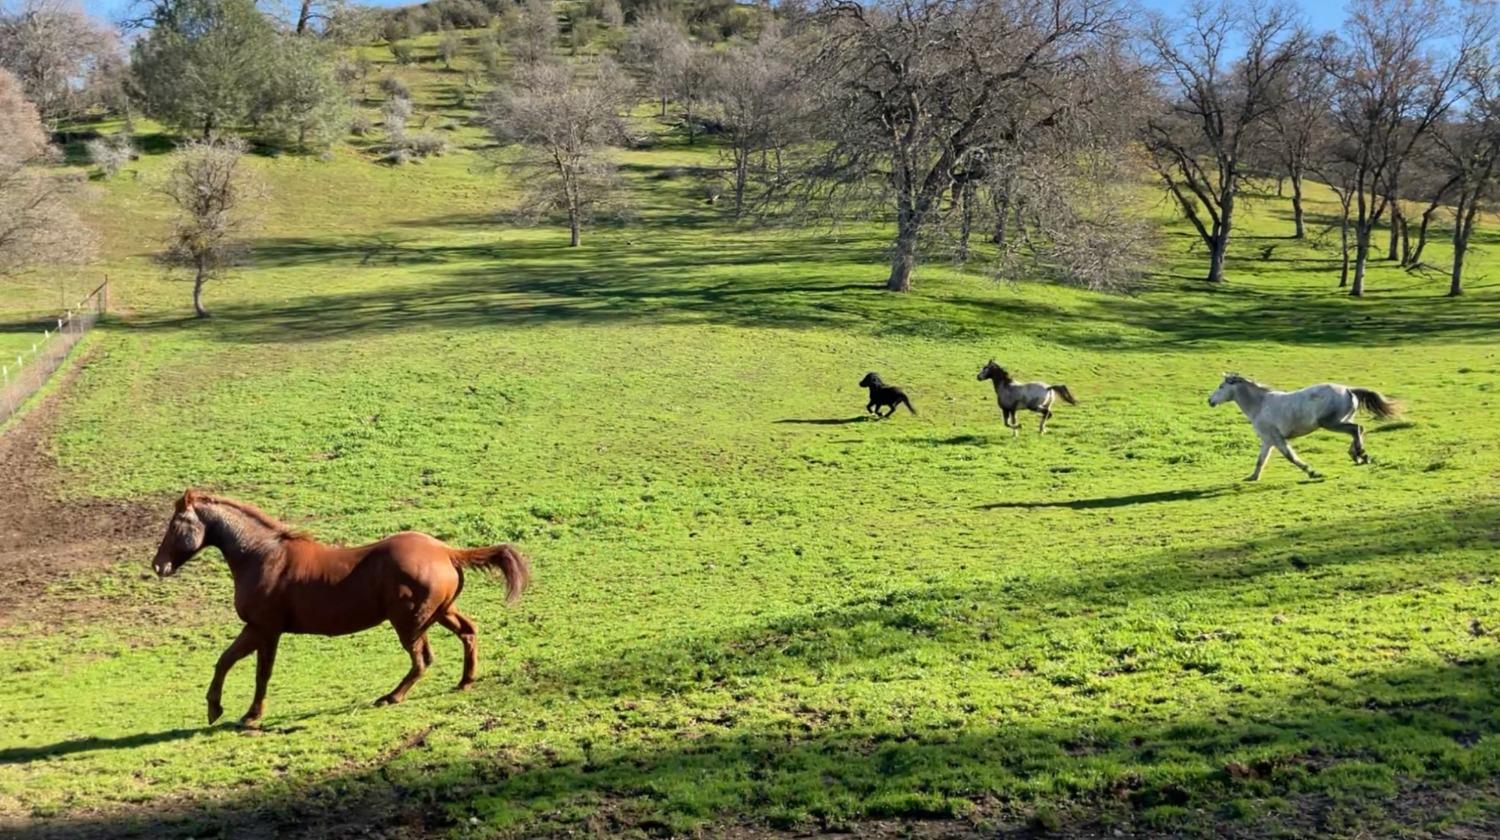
(189, 498)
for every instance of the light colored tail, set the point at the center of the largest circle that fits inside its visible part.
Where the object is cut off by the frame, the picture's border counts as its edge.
(1062, 391)
(1376, 403)
(513, 565)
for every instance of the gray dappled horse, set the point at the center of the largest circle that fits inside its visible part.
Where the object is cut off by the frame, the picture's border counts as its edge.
(1032, 396)
(1279, 416)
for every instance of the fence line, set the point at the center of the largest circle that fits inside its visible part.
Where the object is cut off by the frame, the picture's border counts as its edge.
(22, 376)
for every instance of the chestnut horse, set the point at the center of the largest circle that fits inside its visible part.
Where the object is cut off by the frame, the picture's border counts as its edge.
(286, 582)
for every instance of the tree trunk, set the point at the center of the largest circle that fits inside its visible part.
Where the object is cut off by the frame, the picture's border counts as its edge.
(663, 107)
(966, 219)
(1415, 257)
(1301, 229)
(304, 16)
(198, 281)
(741, 174)
(1002, 207)
(1344, 246)
(1463, 226)
(1216, 250)
(1361, 257)
(1391, 253)
(574, 229)
(903, 255)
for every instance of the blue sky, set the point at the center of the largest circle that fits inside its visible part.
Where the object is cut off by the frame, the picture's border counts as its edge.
(1322, 15)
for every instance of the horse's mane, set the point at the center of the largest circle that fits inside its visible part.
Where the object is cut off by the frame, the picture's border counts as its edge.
(1236, 379)
(280, 529)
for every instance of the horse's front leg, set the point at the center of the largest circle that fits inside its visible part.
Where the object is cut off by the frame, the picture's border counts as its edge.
(265, 661)
(1286, 449)
(242, 646)
(1260, 462)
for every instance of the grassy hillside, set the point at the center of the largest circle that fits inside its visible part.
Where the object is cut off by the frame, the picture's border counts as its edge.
(752, 604)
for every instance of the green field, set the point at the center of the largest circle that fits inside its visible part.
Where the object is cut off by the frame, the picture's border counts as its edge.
(752, 605)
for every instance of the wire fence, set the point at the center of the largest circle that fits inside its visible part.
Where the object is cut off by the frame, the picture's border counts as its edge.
(22, 376)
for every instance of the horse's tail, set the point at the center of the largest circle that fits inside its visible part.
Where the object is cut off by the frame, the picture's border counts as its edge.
(1376, 403)
(1062, 391)
(513, 565)
(907, 402)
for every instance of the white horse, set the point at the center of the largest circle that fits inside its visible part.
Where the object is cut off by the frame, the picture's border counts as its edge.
(1278, 415)
(1013, 395)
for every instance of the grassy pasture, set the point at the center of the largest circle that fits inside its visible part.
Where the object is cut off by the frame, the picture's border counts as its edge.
(754, 605)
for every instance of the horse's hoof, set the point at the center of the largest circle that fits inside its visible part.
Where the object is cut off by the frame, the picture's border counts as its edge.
(215, 711)
(1314, 474)
(388, 700)
(248, 722)
(1251, 478)
(464, 686)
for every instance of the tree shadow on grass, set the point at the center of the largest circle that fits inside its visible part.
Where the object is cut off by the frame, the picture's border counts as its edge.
(662, 275)
(1339, 754)
(1337, 744)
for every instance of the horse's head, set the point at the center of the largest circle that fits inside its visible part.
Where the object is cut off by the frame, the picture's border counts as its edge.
(184, 537)
(871, 380)
(993, 371)
(1225, 392)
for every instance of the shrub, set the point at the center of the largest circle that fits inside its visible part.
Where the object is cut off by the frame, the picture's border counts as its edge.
(426, 144)
(395, 88)
(403, 52)
(111, 153)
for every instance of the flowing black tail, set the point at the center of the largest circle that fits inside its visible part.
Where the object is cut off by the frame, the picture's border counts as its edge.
(907, 402)
(513, 565)
(1062, 391)
(1376, 403)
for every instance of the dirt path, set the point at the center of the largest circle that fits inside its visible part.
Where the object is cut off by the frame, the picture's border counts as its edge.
(42, 538)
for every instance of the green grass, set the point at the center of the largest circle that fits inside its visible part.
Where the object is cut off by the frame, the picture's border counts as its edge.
(751, 603)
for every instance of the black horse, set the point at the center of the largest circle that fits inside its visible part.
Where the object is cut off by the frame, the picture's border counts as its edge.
(883, 396)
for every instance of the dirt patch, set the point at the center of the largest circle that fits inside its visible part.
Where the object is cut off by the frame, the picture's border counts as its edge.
(44, 539)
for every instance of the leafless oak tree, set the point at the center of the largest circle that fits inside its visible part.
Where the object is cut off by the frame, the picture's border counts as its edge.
(909, 91)
(564, 119)
(1224, 68)
(1396, 73)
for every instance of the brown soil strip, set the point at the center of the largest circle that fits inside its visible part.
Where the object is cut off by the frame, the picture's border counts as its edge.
(43, 539)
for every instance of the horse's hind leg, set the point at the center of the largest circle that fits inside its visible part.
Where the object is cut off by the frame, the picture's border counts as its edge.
(1046, 415)
(413, 635)
(1357, 451)
(469, 635)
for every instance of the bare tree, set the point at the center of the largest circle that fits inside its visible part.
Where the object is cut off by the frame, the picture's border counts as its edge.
(535, 33)
(1297, 125)
(657, 51)
(754, 95)
(1215, 104)
(449, 46)
(1471, 149)
(53, 48)
(214, 192)
(564, 119)
(36, 223)
(909, 90)
(1396, 75)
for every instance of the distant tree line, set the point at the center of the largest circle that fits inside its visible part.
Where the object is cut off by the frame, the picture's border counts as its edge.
(1014, 133)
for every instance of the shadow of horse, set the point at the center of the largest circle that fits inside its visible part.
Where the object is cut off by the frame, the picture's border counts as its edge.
(829, 421)
(1157, 497)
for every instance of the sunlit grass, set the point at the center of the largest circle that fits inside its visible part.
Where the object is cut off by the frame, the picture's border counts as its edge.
(746, 607)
